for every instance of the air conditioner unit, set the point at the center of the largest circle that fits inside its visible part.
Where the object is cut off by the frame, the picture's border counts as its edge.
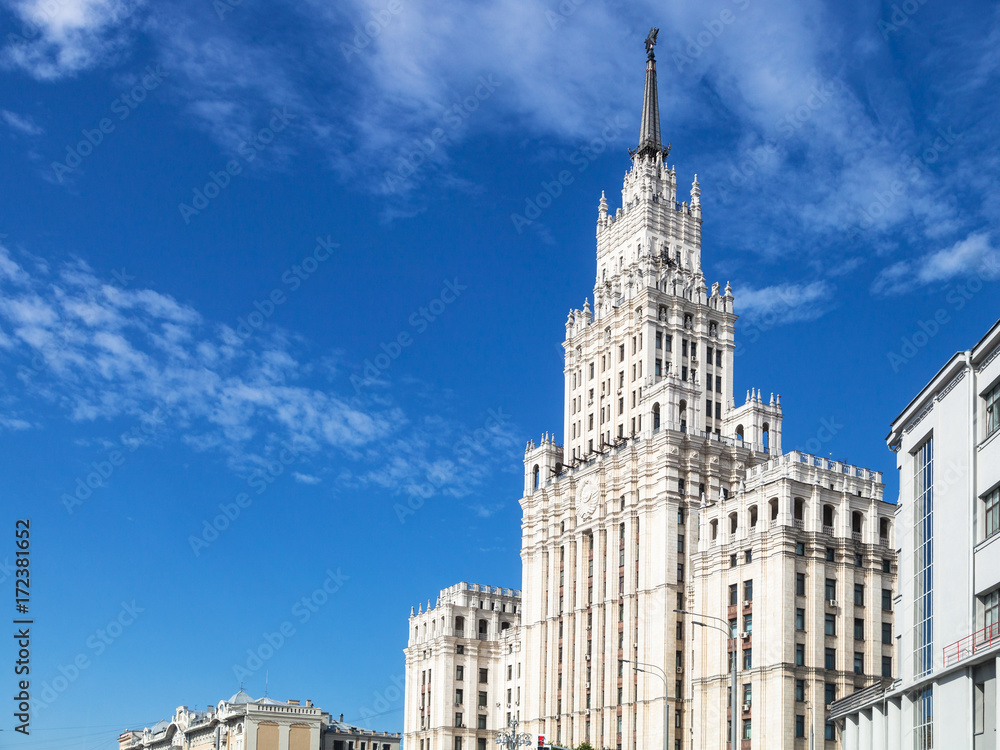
(587, 685)
(746, 707)
(588, 657)
(831, 602)
(680, 669)
(747, 602)
(744, 636)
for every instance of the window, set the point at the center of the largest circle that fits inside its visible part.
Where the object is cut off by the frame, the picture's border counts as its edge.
(830, 624)
(800, 690)
(992, 514)
(459, 649)
(887, 600)
(859, 629)
(458, 743)
(680, 542)
(459, 673)
(887, 633)
(483, 674)
(923, 591)
(859, 561)
(859, 595)
(748, 590)
(659, 339)
(733, 627)
(829, 731)
(480, 743)
(800, 654)
(800, 725)
(887, 666)
(887, 566)
(923, 719)
(800, 549)
(458, 719)
(746, 729)
(800, 619)
(829, 693)
(830, 658)
(732, 561)
(482, 697)
(748, 556)
(800, 584)
(830, 588)
(859, 662)
(734, 595)
(747, 624)
(747, 658)
(992, 410)
(458, 696)
(481, 722)
(830, 552)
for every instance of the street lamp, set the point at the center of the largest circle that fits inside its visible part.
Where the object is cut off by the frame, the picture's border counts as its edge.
(734, 735)
(809, 706)
(663, 676)
(509, 738)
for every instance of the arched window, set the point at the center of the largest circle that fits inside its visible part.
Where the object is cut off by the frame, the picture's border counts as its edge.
(714, 526)
(799, 512)
(766, 437)
(884, 527)
(733, 523)
(857, 522)
(459, 625)
(682, 413)
(753, 516)
(739, 432)
(773, 504)
(656, 416)
(504, 625)
(828, 515)
(534, 475)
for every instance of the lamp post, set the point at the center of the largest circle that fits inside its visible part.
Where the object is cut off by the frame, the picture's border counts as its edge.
(809, 706)
(509, 738)
(734, 734)
(661, 673)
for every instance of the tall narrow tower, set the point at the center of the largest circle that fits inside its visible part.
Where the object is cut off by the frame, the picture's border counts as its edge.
(609, 518)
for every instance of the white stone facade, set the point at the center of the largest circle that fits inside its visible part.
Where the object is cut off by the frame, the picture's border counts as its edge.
(617, 523)
(947, 443)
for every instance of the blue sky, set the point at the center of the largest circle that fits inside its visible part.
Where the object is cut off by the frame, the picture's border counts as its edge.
(267, 260)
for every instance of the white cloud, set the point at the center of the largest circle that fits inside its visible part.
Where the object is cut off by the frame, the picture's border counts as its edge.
(783, 303)
(59, 38)
(305, 478)
(974, 255)
(21, 123)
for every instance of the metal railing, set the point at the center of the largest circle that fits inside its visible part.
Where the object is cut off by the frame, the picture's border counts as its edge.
(971, 644)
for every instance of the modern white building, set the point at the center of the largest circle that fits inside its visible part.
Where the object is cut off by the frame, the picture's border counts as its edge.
(947, 442)
(665, 494)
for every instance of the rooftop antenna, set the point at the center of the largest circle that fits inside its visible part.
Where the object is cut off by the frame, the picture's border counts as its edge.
(265, 683)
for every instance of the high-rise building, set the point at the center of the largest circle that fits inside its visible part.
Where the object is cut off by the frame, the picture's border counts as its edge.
(665, 495)
(947, 444)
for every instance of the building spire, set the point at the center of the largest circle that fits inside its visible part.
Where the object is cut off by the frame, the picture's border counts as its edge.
(649, 130)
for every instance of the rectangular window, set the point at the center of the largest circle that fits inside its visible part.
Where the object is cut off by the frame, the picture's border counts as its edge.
(482, 698)
(800, 690)
(923, 719)
(718, 384)
(887, 600)
(800, 619)
(859, 561)
(747, 658)
(923, 591)
(659, 339)
(859, 662)
(458, 743)
(484, 674)
(800, 654)
(458, 697)
(992, 410)
(718, 357)
(859, 629)
(668, 343)
(830, 624)
(830, 658)
(658, 368)
(459, 673)
(481, 722)
(830, 588)
(733, 595)
(887, 666)
(680, 543)
(800, 549)
(887, 633)
(708, 407)
(831, 554)
(800, 584)
(830, 731)
(684, 347)
(718, 410)
(829, 693)
(458, 720)
(748, 590)
(800, 725)
(992, 512)
(859, 595)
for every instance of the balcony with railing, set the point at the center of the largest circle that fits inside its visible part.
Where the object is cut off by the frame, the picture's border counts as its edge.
(971, 645)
